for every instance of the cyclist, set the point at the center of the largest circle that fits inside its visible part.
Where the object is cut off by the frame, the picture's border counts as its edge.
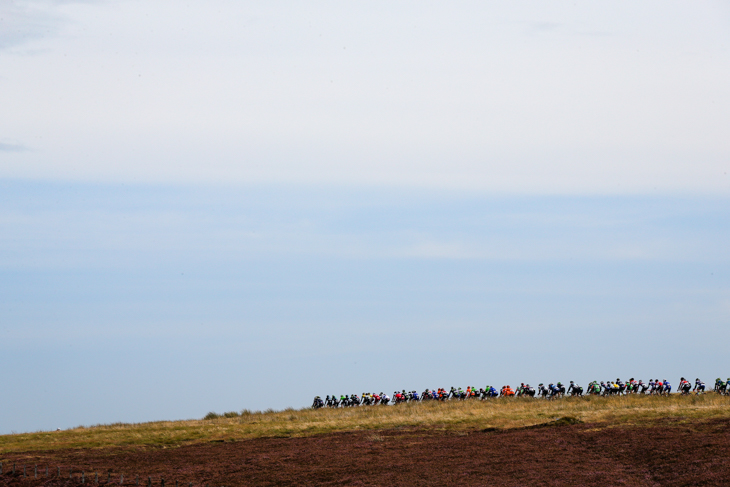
(574, 389)
(699, 386)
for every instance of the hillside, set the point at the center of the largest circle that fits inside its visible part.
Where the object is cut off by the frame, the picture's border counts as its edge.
(450, 415)
(574, 441)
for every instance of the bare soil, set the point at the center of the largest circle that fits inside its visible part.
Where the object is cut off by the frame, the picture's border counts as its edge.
(669, 452)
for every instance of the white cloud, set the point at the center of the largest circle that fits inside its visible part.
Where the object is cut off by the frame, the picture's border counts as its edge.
(514, 99)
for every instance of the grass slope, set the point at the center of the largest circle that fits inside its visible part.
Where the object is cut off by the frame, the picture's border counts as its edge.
(498, 413)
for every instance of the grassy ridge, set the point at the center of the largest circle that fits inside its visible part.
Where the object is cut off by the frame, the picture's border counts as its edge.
(498, 413)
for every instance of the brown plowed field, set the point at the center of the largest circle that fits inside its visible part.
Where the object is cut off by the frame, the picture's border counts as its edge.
(665, 453)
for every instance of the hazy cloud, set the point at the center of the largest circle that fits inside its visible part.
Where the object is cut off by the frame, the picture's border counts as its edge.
(12, 147)
(318, 93)
(22, 23)
(545, 26)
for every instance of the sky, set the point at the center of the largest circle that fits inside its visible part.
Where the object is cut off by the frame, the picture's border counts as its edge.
(212, 206)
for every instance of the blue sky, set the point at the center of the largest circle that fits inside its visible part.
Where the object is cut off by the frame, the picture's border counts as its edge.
(228, 205)
(146, 302)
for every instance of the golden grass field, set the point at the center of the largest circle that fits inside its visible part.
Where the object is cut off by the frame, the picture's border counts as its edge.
(451, 415)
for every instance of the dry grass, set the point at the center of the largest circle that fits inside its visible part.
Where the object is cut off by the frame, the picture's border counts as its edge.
(452, 415)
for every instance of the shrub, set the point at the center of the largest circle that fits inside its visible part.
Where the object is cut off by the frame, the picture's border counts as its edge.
(212, 415)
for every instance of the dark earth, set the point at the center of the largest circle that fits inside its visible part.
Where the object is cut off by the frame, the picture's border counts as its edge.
(670, 452)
